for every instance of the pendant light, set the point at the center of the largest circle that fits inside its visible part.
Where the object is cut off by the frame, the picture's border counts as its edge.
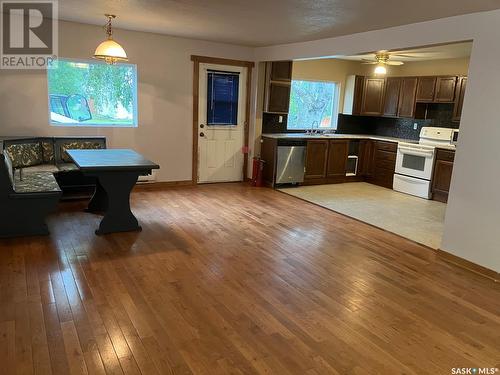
(109, 50)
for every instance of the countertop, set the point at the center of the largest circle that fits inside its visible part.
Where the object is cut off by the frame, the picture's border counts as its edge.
(347, 136)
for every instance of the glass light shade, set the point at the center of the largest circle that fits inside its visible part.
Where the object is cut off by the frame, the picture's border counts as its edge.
(380, 69)
(110, 51)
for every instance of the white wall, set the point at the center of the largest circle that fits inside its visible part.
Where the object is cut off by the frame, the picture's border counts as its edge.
(472, 225)
(165, 87)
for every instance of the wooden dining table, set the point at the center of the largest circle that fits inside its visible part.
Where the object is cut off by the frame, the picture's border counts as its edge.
(116, 172)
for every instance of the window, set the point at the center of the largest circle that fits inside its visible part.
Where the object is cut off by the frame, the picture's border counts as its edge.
(88, 93)
(222, 98)
(313, 104)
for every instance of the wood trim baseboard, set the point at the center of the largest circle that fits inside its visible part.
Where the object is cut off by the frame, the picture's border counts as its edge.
(162, 185)
(468, 265)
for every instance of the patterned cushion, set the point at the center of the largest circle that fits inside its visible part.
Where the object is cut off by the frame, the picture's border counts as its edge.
(41, 168)
(25, 154)
(78, 145)
(48, 152)
(36, 182)
(66, 167)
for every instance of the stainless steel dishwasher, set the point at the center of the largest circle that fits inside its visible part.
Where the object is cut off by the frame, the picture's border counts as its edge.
(290, 162)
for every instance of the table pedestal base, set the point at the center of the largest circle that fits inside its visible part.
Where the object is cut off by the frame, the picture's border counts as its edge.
(112, 196)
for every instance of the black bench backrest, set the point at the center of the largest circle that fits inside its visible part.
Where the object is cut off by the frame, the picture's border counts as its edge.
(6, 175)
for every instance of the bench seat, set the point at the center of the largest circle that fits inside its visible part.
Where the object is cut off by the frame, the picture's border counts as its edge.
(36, 182)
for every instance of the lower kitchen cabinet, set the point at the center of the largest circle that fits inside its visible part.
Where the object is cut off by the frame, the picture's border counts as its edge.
(338, 150)
(366, 150)
(384, 164)
(316, 159)
(441, 178)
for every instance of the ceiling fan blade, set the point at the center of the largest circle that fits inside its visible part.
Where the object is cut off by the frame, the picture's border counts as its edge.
(394, 63)
(369, 62)
(413, 54)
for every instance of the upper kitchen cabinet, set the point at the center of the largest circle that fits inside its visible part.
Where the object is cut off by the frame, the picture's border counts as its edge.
(277, 86)
(436, 89)
(281, 71)
(426, 89)
(373, 97)
(353, 95)
(407, 93)
(392, 95)
(459, 98)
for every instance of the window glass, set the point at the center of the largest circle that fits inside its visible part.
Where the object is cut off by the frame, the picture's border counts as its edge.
(313, 104)
(91, 93)
(222, 98)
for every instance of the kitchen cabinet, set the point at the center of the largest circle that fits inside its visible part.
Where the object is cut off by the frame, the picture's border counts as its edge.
(268, 152)
(426, 89)
(436, 89)
(338, 151)
(373, 97)
(278, 77)
(445, 89)
(407, 94)
(459, 98)
(366, 150)
(281, 70)
(353, 95)
(392, 95)
(441, 177)
(316, 159)
(384, 163)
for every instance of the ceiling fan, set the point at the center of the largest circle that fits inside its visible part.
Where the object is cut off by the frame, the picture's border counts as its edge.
(381, 60)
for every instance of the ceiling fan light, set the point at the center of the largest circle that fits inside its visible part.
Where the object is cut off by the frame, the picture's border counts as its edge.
(380, 69)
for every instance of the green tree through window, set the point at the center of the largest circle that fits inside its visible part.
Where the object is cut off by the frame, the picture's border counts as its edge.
(313, 104)
(85, 93)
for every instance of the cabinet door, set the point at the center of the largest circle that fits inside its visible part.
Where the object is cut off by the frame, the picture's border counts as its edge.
(459, 98)
(316, 159)
(406, 107)
(358, 94)
(366, 147)
(426, 89)
(445, 89)
(373, 97)
(441, 179)
(391, 98)
(281, 71)
(338, 151)
(279, 98)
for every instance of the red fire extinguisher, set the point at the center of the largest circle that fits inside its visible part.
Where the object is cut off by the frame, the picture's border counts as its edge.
(258, 166)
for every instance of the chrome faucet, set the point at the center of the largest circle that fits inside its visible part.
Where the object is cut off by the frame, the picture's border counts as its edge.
(312, 131)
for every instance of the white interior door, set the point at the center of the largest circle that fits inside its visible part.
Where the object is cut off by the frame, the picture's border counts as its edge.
(221, 125)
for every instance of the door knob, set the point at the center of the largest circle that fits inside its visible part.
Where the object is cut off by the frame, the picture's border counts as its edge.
(202, 126)
(202, 134)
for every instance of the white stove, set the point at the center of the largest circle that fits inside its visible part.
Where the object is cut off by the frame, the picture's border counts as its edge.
(415, 161)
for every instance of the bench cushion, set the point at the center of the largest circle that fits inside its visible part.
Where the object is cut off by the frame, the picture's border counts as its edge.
(25, 154)
(10, 171)
(41, 168)
(36, 182)
(48, 151)
(78, 145)
(66, 167)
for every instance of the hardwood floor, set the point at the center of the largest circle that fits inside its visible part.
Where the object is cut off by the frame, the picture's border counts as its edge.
(232, 279)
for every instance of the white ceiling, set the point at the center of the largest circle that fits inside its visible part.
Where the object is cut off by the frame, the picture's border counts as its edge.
(447, 51)
(265, 22)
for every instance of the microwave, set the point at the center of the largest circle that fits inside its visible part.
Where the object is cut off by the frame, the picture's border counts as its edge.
(454, 136)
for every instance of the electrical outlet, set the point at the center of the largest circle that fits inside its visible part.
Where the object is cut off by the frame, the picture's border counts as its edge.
(280, 119)
(415, 126)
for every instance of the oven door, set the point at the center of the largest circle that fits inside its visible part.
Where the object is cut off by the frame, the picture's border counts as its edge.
(415, 161)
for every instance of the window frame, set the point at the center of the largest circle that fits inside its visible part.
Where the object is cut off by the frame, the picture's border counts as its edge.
(335, 105)
(135, 121)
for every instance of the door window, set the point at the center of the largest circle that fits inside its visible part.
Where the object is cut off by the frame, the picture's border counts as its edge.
(222, 98)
